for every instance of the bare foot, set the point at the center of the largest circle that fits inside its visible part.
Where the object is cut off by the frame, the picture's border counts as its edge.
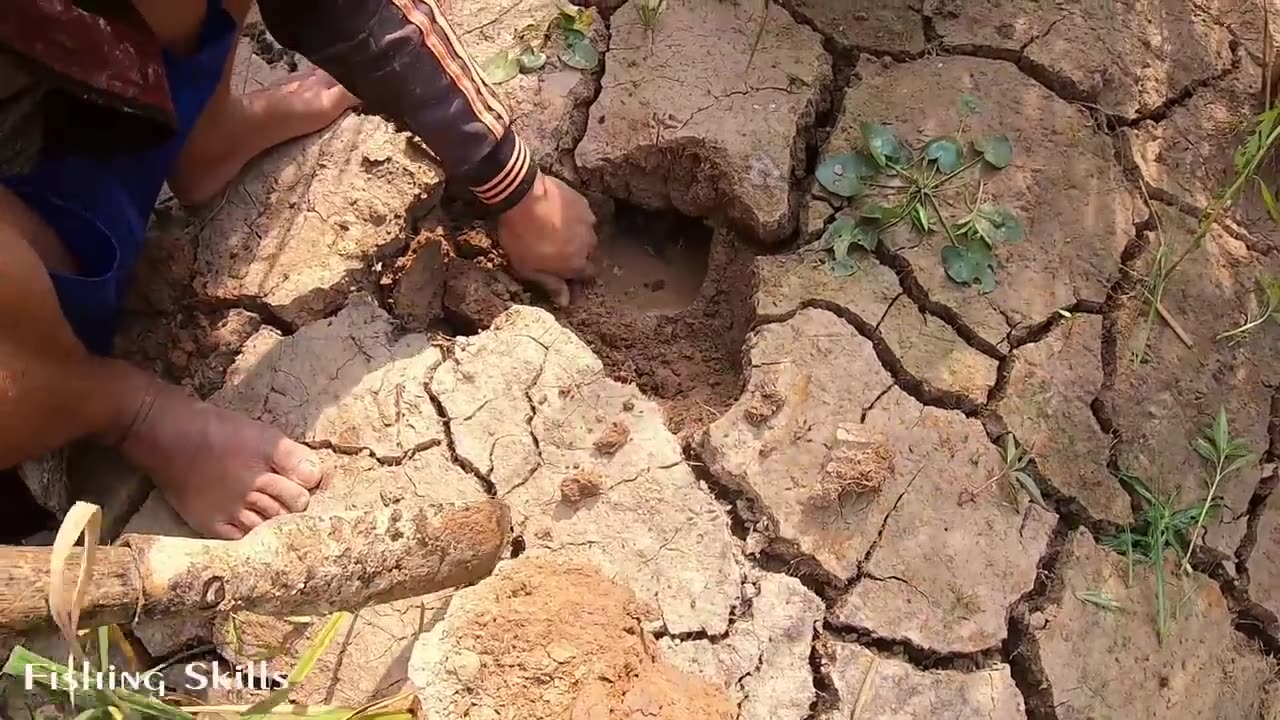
(224, 473)
(235, 129)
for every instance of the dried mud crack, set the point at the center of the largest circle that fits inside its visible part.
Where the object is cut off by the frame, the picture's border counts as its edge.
(764, 492)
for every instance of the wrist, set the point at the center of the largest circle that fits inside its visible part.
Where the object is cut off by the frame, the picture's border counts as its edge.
(505, 177)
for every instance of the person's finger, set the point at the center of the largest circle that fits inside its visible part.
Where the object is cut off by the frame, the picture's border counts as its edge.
(588, 270)
(555, 288)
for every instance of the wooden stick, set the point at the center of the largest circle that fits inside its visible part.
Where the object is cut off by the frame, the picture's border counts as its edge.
(1173, 325)
(293, 565)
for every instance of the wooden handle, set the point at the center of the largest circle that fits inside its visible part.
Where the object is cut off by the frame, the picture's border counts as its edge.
(292, 565)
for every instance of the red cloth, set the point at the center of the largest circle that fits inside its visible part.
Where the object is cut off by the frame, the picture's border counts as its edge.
(107, 58)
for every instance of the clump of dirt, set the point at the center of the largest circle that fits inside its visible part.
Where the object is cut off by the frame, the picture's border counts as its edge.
(766, 401)
(669, 310)
(612, 438)
(580, 486)
(860, 461)
(545, 640)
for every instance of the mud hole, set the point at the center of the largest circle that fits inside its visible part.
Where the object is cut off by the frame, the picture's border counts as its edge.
(668, 310)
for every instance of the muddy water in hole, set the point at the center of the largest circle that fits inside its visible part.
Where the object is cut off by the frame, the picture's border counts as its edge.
(668, 311)
(651, 262)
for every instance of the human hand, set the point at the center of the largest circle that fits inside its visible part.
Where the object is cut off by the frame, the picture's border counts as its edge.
(549, 237)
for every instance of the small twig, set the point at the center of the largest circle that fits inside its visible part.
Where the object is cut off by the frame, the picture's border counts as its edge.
(764, 21)
(1268, 50)
(866, 690)
(1173, 325)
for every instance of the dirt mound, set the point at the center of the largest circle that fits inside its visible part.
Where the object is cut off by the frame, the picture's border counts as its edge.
(547, 640)
(668, 311)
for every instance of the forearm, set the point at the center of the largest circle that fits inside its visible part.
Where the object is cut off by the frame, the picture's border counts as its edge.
(403, 60)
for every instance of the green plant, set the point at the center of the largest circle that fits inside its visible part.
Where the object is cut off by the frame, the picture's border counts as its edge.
(568, 31)
(889, 167)
(1224, 455)
(1248, 158)
(650, 12)
(1161, 527)
(1015, 460)
(1267, 306)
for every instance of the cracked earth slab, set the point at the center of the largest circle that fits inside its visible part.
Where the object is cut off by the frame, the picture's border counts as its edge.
(943, 576)
(545, 640)
(1161, 403)
(526, 403)
(928, 348)
(892, 689)
(763, 661)
(682, 122)
(1047, 408)
(1188, 157)
(346, 382)
(549, 107)
(1098, 661)
(1064, 184)
(895, 27)
(304, 224)
(825, 490)
(1130, 58)
(1264, 561)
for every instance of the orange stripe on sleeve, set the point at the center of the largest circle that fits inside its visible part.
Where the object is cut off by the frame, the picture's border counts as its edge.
(511, 163)
(511, 182)
(459, 76)
(495, 103)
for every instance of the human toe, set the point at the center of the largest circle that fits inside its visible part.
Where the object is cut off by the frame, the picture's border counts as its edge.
(265, 505)
(283, 491)
(298, 463)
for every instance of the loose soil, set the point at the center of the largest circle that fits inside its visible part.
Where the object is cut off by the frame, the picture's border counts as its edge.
(668, 310)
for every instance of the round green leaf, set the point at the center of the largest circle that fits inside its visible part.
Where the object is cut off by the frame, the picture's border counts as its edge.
(882, 144)
(996, 150)
(947, 152)
(998, 222)
(971, 264)
(842, 268)
(581, 55)
(531, 60)
(839, 231)
(866, 236)
(572, 36)
(842, 174)
(501, 67)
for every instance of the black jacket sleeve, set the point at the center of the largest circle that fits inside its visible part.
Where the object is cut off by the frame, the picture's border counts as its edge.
(403, 60)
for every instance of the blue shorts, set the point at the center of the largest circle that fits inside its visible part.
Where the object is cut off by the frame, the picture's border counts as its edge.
(100, 205)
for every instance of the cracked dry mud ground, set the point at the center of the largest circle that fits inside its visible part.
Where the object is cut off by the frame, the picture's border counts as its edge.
(743, 487)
